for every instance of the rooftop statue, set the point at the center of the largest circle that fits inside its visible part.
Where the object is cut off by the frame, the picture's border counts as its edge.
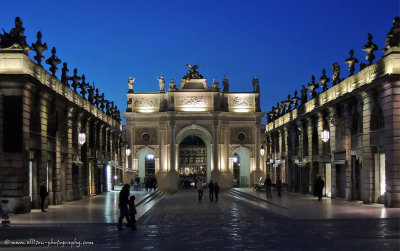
(161, 83)
(370, 47)
(39, 48)
(256, 84)
(351, 61)
(172, 85)
(393, 36)
(130, 84)
(97, 98)
(215, 85)
(225, 84)
(192, 73)
(15, 39)
(336, 74)
(323, 80)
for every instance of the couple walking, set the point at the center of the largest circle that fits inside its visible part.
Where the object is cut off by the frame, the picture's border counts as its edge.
(125, 212)
(213, 189)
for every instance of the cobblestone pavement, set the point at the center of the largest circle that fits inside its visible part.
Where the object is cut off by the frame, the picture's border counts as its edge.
(236, 222)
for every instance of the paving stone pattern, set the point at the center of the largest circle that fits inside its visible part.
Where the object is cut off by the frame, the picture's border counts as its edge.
(180, 222)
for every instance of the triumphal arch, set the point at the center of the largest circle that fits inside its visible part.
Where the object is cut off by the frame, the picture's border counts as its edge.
(195, 131)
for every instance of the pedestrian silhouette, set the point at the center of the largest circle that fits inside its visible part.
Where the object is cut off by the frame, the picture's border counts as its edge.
(132, 212)
(211, 190)
(43, 193)
(199, 189)
(123, 205)
(216, 191)
(279, 186)
(268, 184)
(319, 187)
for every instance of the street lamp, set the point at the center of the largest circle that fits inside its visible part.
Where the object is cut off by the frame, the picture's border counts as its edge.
(325, 135)
(81, 138)
(127, 151)
(262, 150)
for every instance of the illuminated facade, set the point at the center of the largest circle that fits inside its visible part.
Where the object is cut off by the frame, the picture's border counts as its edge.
(361, 158)
(40, 120)
(226, 122)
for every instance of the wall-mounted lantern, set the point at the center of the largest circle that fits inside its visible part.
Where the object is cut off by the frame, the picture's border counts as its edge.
(325, 135)
(81, 138)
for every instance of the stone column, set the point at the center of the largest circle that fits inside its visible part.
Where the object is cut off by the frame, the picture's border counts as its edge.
(43, 165)
(310, 154)
(79, 128)
(333, 122)
(347, 147)
(68, 171)
(368, 169)
(390, 109)
(285, 153)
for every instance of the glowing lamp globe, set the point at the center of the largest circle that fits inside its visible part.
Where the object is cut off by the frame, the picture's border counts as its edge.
(325, 135)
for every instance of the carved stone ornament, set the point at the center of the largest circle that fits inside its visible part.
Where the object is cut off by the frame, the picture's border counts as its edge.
(64, 77)
(242, 101)
(324, 80)
(195, 101)
(351, 61)
(370, 47)
(53, 61)
(145, 102)
(312, 87)
(75, 78)
(38, 47)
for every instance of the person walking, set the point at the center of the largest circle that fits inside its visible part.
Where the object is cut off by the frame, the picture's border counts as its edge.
(216, 191)
(123, 205)
(279, 186)
(43, 193)
(132, 212)
(211, 190)
(268, 184)
(199, 189)
(319, 187)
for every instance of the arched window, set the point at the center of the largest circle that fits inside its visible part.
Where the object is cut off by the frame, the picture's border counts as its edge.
(377, 120)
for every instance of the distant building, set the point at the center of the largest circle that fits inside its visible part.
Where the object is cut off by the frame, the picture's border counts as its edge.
(359, 118)
(227, 122)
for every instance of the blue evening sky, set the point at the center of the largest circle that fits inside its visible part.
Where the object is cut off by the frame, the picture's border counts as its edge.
(281, 42)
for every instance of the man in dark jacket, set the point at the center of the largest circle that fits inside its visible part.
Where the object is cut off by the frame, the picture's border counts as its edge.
(268, 184)
(211, 190)
(43, 193)
(319, 187)
(123, 205)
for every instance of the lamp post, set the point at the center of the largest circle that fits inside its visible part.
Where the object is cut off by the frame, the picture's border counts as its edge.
(127, 153)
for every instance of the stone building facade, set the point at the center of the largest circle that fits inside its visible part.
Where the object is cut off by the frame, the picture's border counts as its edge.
(40, 119)
(361, 113)
(226, 122)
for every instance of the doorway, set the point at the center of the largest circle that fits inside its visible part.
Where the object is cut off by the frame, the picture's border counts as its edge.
(192, 161)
